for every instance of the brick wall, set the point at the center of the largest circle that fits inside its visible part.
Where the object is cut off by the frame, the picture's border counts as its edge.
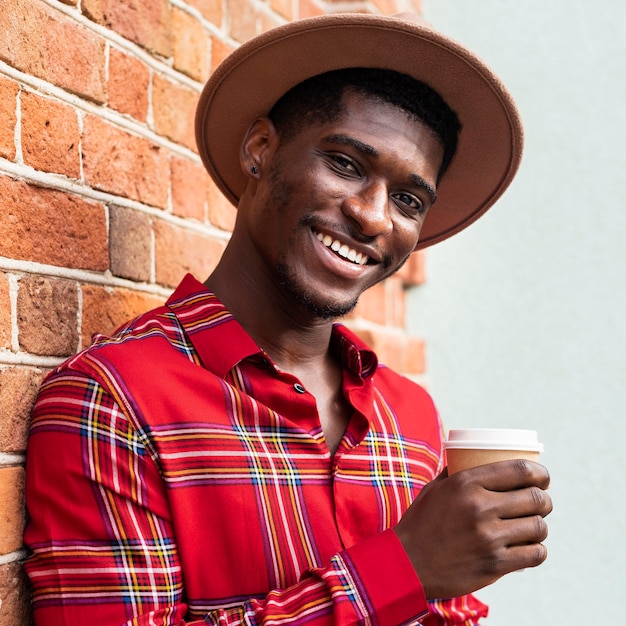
(104, 204)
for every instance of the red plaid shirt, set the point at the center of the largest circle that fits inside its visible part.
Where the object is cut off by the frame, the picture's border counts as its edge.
(176, 476)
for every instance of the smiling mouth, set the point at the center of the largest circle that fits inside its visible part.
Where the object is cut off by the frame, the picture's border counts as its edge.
(342, 249)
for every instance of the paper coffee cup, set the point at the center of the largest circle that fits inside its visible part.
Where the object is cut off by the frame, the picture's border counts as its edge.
(477, 446)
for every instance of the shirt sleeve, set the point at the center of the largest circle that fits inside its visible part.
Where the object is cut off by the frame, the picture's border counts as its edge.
(103, 547)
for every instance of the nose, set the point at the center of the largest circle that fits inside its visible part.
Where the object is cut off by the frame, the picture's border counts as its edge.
(370, 210)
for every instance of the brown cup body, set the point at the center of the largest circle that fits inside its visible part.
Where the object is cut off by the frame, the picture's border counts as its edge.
(462, 458)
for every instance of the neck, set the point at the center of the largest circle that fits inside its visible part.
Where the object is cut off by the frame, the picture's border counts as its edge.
(291, 336)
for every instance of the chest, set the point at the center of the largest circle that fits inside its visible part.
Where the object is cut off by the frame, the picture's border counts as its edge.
(255, 496)
(250, 516)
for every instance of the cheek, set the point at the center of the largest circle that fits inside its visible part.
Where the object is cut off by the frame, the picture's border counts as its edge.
(407, 235)
(322, 184)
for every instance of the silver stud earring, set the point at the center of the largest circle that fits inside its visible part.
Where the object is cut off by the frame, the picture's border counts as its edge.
(254, 169)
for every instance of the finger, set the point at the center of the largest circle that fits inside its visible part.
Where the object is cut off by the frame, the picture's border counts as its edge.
(523, 503)
(508, 475)
(522, 546)
(523, 531)
(522, 556)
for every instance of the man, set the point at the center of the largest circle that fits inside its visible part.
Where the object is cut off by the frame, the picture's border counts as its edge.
(235, 456)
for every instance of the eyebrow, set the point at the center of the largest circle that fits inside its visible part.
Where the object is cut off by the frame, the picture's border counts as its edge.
(428, 188)
(365, 148)
(346, 140)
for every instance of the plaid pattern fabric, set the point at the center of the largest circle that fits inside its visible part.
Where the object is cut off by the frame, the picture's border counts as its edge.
(176, 476)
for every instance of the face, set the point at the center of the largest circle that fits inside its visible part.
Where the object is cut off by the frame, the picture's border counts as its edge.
(339, 207)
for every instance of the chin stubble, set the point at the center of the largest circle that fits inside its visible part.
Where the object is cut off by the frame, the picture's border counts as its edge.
(305, 298)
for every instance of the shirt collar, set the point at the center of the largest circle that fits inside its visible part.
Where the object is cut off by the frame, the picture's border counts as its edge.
(355, 355)
(218, 338)
(221, 342)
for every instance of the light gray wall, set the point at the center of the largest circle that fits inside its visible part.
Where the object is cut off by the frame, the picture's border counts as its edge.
(523, 313)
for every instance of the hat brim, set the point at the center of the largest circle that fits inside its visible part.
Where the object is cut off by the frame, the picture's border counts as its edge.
(248, 83)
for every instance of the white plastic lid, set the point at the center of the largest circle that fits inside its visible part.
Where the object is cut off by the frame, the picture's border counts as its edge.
(493, 439)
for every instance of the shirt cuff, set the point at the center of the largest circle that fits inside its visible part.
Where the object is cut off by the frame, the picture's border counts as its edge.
(388, 583)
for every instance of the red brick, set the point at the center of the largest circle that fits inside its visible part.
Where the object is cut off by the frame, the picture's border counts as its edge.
(130, 239)
(222, 213)
(47, 316)
(190, 43)
(414, 355)
(219, 51)
(14, 594)
(372, 305)
(18, 389)
(384, 304)
(310, 8)
(211, 9)
(269, 20)
(145, 22)
(122, 164)
(189, 188)
(179, 251)
(386, 7)
(50, 135)
(174, 108)
(11, 508)
(400, 351)
(356, 6)
(283, 8)
(105, 309)
(47, 226)
(5, 312)
(413, 272)
(130, 236)
(8, 105)
(39, 40)
(243, 19)
(129, 82)
(396, 302)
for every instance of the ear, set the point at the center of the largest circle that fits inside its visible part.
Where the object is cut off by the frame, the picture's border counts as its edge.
(258, 146)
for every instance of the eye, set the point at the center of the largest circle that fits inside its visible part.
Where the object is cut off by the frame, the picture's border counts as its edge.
(409, 204)
(343, 164)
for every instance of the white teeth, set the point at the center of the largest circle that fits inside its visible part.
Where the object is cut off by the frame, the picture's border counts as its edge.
(343, 250)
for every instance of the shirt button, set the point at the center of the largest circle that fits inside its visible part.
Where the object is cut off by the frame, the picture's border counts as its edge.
(299, 388)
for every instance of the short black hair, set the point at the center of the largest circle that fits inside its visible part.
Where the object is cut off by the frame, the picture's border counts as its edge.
(318, 100)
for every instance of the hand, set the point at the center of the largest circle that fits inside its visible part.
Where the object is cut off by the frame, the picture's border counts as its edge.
(465, 531)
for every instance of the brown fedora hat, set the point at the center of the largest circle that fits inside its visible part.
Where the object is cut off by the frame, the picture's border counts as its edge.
(249, 81)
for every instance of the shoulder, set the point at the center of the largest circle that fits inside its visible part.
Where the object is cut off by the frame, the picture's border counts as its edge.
(153, 337)
(402, 389)
(409, 407)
